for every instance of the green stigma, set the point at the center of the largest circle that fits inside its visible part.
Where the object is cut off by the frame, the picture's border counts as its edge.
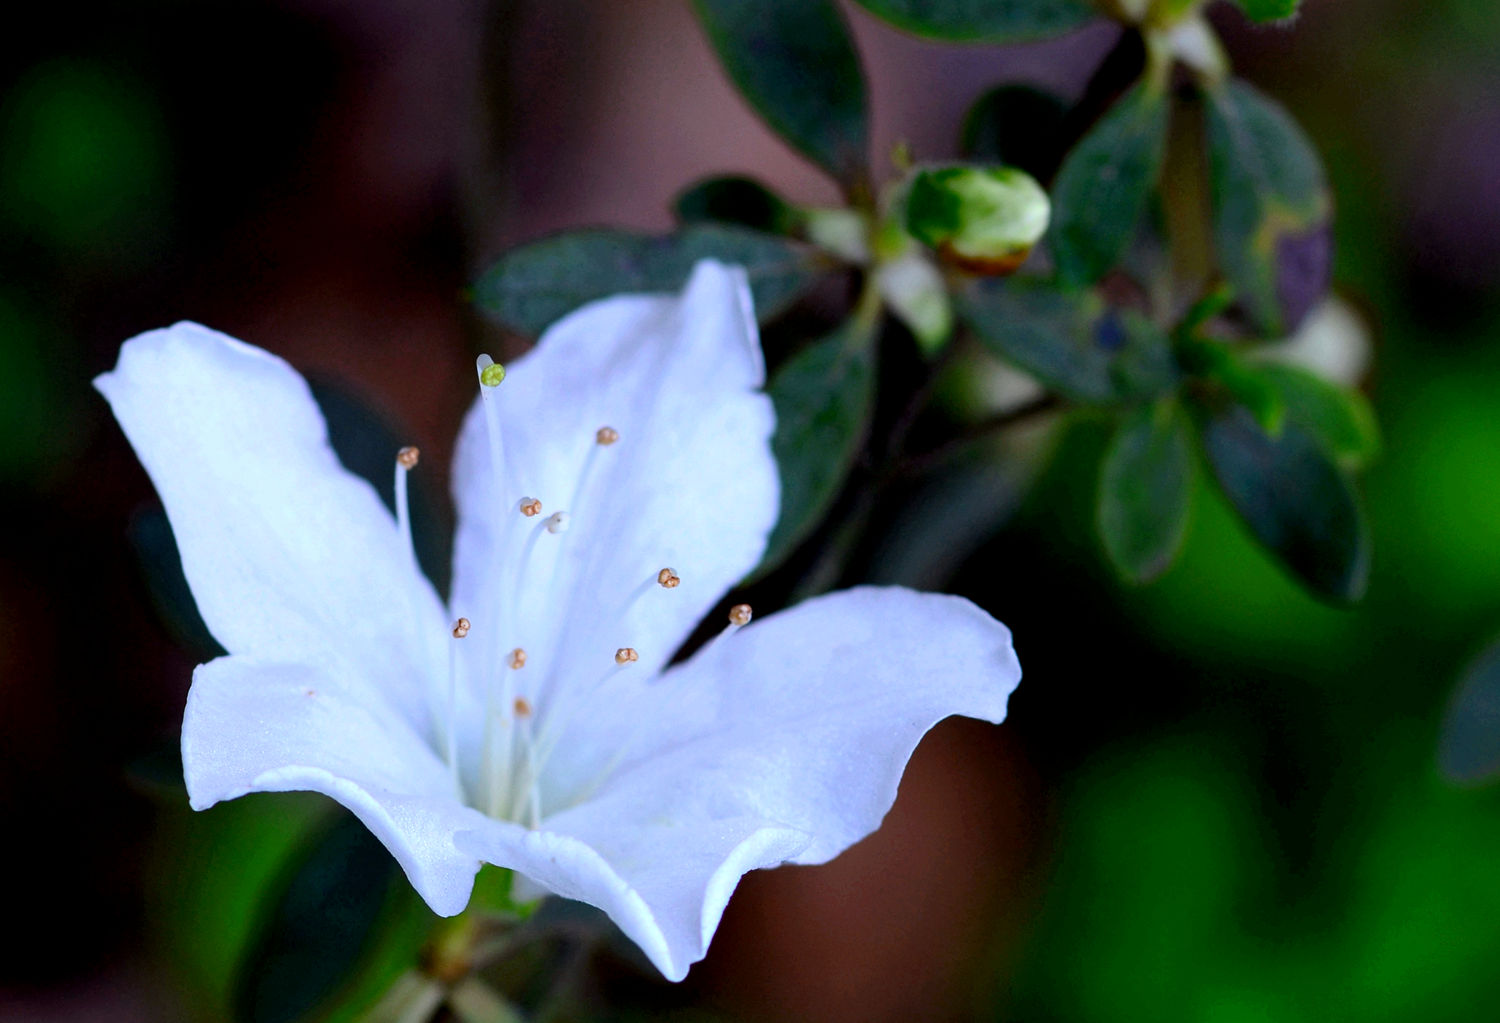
(492, 374)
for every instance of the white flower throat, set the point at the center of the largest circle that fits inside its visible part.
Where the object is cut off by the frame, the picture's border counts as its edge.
(521, 729)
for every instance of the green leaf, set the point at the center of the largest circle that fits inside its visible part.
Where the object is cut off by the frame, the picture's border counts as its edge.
(366, 443)
(1295, 501)
(1269, 10)
(1103, 187)
(1341, 420)
(1018, 126)
(318, 927)
(1214, 361)
(1072, 341)
(983, 21)
(736, 200)
(824, 397)
(795, 63)
(150, 535)
(1469, 747)
(1146, 489)
(534, 285)
(1270, 205)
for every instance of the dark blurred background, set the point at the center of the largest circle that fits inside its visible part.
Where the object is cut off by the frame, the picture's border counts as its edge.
(1215, 799)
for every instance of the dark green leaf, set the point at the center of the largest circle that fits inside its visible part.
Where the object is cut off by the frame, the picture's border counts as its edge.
(1073, 342)
(1271, 207)
(1294, 499)
(161, 565)
(1146, 489)
(983, 21)
(318, 925)
(366, 443)
(1341, 420)
(1269, 10)
(534, 285)
(823, 396)
(1469, 748)
(1215, 361)
(795, 63)
(736, 200)
(1104, 184)
(1018, 126)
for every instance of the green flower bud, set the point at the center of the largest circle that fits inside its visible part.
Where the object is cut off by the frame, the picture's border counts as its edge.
(983, 219)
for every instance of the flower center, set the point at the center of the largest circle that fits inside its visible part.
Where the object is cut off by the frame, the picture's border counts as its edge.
(528, 709)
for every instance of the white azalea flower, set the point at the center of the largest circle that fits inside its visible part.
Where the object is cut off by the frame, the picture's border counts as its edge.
(534, 722)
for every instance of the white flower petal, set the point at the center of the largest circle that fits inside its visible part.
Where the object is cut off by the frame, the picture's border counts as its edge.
(690, 484)
(290, 557)
(256, 726)
(783, 742)
(664, 890)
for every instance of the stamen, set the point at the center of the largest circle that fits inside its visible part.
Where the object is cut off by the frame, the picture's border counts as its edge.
(739, 617)
(496, 760)
(668, 579)
(460, 630)
(527, 794)
(530, 507)
(626, 655)
(517, 659)
(606, 435)
(558, 523)
(406, 460)
(491, 373)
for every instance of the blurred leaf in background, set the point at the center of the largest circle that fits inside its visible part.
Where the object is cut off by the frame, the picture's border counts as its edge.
(1469, 750)
(1017, 125)
(530, 287)
(1293, 499)
(824, 396)
(1271, 207)
(794, 62)
(1102, 190)
(1146, 490)
(995, 21)
(1071, 341)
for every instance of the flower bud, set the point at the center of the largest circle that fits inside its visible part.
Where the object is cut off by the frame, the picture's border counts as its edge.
(983, 219)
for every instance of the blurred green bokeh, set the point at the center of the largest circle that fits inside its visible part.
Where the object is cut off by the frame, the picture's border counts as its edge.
(84, 163)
